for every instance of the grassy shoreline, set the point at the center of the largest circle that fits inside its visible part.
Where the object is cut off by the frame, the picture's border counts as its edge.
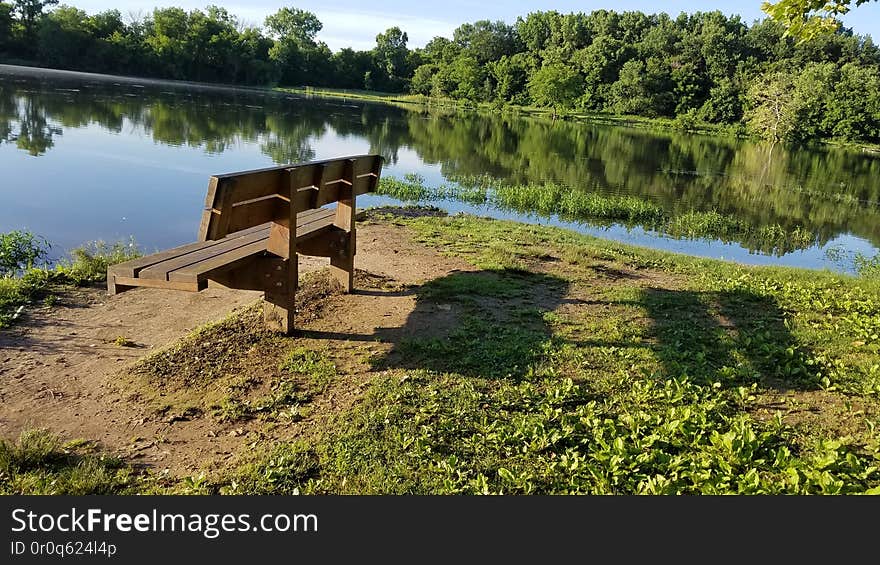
(570, 364)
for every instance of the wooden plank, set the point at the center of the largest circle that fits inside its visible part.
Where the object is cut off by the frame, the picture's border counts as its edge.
(153, 283)
(364, 171)
(227, 260)
(218, 225)
(256, 213)
(133, 267)
(314, 229)
(289, 166)
(256, 273)
(302, 176)
(304, 183)
(306, 228)
(208, 213)
(301, 218)
(161, 270)
(335, 175)
(304, 225)
(342, 264)
(330, 241)
(249, 186)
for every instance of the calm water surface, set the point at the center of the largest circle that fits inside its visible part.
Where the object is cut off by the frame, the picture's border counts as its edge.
(84, 157)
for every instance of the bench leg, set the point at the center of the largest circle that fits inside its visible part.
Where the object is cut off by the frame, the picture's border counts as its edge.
(342, 264)
(112, 288)
(342, 269)
(278, 312)
(279, 305)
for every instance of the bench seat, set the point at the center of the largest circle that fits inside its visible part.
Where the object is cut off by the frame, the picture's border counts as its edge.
(190, 267)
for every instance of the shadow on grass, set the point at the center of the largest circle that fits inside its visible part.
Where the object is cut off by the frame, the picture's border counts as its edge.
(734, 338)
(486, 324)
(492, 324)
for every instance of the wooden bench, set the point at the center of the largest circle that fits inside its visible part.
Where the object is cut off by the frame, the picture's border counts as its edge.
(245, 239)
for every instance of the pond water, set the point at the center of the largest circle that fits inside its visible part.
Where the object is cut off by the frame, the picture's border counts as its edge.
(85, 157)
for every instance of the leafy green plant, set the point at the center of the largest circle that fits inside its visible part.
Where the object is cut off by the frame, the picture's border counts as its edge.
(20, 251)
(315, 365)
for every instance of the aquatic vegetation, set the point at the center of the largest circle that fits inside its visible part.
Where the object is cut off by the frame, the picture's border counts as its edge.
(578, 204)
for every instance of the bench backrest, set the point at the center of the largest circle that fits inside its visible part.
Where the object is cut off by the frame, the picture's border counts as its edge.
(237, 201)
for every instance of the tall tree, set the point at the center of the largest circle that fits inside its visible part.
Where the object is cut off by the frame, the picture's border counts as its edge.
(5, 25)
(295, 24)
(772, 114)
(29, 12)
(392, 57)
(556, 86)
(295, 52)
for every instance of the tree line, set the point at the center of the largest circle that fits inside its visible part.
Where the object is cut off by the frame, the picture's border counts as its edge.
(694, 68)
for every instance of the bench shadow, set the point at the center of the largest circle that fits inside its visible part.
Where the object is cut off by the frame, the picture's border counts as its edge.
(491, 324)
(486, 324)
(735, 338)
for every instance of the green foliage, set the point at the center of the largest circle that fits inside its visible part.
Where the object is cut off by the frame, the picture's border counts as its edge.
(392, 59)
(89, 262)
(635, 390)
(555, 85)
(21, 282)
(38, 463)
(16, 292)
(868, 267)
(20, 251)
(806, 19)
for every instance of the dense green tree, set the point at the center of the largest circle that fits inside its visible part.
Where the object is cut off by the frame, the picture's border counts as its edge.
(299, 59)
(510, 74)
(486, 41)
(423, 79)
(29, 13)
(5, 26)
(854, 109)
(392, 58)
(469, 79)
(642, 89)
(294, 24)
(555, 85)
(350, 66)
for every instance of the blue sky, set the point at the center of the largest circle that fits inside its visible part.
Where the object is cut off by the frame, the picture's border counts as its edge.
(350, 23)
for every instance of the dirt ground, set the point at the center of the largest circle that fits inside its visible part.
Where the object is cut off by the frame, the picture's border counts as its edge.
(61, 366)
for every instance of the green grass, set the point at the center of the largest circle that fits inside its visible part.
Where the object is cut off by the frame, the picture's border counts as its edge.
(314, 365)
(39, 463)
(657, 388)
(355, 94)
(88, 263)
(578, 204)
